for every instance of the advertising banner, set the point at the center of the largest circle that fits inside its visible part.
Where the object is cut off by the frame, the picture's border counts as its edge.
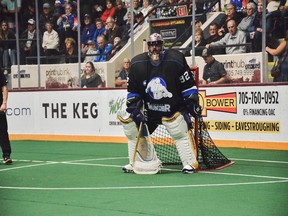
(171, 28)
(53, 76)
(245, 113)
(253, 113)
(241, 68)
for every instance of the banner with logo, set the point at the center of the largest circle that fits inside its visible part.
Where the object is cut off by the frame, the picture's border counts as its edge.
(245, 113)
(253, 113)
(241, 68)
(53, 76)
(171, 28)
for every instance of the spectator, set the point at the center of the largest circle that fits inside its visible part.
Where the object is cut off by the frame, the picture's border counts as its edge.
(46, 16)
(70, 52)
(276, 14)
(9, 11)
(281, 52)
(90, 79)
(103, 51)
(199, 42)
(213, 72)
(120, 13)
(255, 30)
(109, 12)
(247, 21)
(136, 8)
(231, 14)
(91, 51)
(213, 37)
(125, 29)
(147, 6)
(238, 5)
(8, 48)
(234, 37)
(87, 7)
(140, 22)
(50, 43)
(111, 31)
(272, 6)
(100, 28)
(121, 79)
(60, 6)
(116, 47)
(98, 8)
(27, 14)
(28, 43)
(87, 33)
(67, 24)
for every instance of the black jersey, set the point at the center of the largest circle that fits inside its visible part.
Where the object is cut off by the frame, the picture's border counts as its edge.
(3, 82)
(162, 86)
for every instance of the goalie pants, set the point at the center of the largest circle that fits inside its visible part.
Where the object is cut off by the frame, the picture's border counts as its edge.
(4, 137)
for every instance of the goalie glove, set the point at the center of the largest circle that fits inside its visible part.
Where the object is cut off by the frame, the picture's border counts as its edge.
(192, 104)
(136, 113)
(195, 110)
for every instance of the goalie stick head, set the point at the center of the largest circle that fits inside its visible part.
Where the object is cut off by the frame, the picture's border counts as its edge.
(145, 160)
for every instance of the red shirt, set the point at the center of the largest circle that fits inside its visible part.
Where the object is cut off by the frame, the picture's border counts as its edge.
(108, 13)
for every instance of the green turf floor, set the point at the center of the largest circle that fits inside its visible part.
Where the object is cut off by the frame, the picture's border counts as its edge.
(75, 179)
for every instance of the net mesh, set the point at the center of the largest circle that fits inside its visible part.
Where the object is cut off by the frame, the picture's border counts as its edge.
(209, 156)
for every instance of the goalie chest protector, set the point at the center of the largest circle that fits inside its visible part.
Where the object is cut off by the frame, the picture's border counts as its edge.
(160, 85)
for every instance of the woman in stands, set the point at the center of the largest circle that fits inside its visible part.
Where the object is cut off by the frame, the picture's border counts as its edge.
(109, 12)
(199, 42)
(70, 51)
(281, 52)
(90, 79)
(7, 46)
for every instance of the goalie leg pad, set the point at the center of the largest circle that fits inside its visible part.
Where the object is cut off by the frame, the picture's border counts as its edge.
(131, 131)
(178, 129)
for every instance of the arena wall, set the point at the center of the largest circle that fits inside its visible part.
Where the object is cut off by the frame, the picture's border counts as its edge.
(248, 116)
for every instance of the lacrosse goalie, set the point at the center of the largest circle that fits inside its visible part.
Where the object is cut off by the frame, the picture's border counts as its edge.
(161, 82)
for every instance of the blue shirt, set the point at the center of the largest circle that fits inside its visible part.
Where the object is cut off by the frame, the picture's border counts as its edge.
(88, 33)
(101, 55)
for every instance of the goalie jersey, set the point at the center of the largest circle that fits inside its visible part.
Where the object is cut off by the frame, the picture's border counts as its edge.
(162, 86)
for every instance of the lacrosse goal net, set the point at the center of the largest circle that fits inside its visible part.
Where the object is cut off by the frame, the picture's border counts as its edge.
(209, 156)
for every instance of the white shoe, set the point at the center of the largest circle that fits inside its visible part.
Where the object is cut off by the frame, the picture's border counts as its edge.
(187, 169)
(5, 72)
(128, 168)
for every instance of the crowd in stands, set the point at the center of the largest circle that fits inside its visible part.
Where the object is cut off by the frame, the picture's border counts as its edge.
(105, 27)
(242, 24)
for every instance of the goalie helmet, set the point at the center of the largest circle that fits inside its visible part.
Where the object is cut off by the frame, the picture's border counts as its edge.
(155, 47)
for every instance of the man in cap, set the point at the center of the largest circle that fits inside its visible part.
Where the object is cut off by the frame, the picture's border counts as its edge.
(46, 16)
(28, 43)
(213, 72)
(87, 32)
(161, 81)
